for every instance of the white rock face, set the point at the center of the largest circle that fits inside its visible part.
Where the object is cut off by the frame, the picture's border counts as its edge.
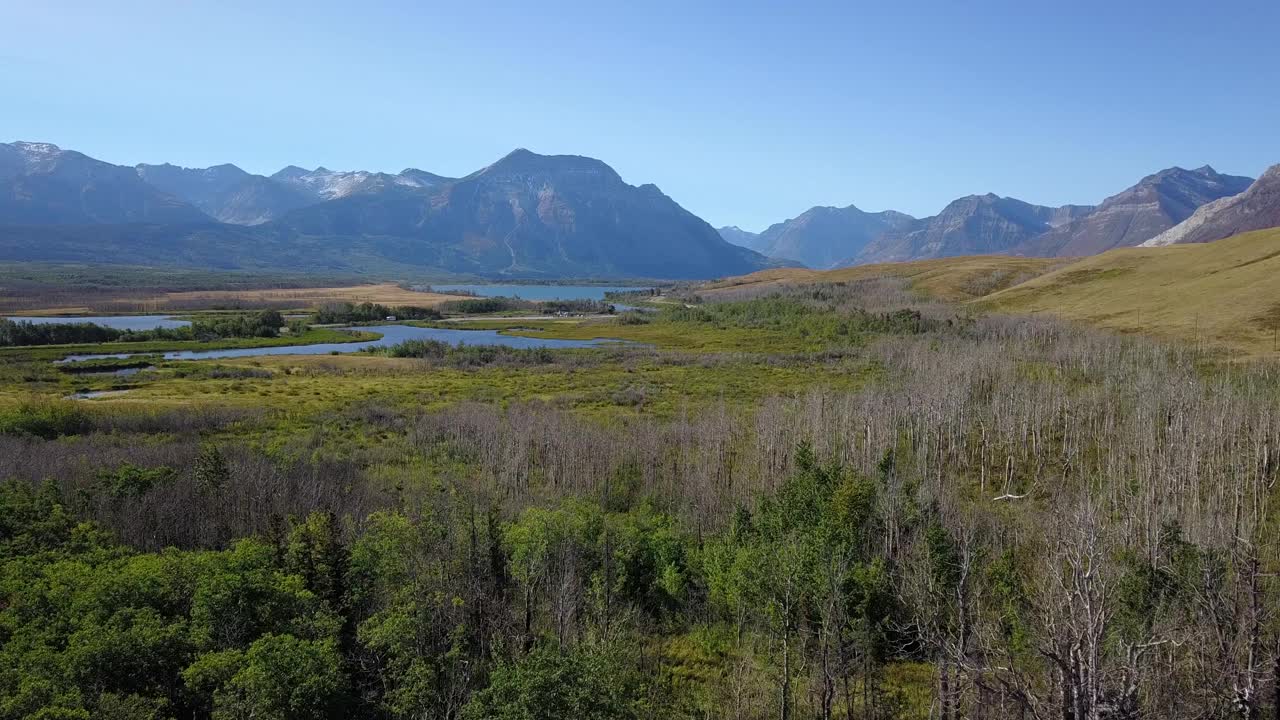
(36, 152)
(1257, 208)
(1202, 215)
(327, 184)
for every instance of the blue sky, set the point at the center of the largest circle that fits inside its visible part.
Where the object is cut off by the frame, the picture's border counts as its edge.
(746, 113)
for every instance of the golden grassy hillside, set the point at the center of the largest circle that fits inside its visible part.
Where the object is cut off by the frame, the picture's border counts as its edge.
(955, 279)
(150, 301)
(1224, 293)
(384, 293)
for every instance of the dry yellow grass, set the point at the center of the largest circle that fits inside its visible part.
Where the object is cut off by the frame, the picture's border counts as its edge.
(383, 293)
(955, 279)
(1225, 293)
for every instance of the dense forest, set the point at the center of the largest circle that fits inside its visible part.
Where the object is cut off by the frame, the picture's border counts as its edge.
(263, 324)
(1004, 517)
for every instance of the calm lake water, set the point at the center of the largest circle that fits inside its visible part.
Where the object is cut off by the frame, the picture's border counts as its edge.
(119, 322)
(538, 292)
(391, 335)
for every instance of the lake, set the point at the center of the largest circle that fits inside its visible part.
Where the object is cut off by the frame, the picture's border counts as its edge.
(119, 322)
(391, 335)
(537, 292)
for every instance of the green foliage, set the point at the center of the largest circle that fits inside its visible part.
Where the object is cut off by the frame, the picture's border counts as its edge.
(336, 313)
(583, 684)
(485, 305)
(806, 557)
(281, 677)
(467, 355)
(1150, 590)
(211, 471)
(25, 332)
(44, 418)
(92, 629)
(314, 551)
(264, 324)
(633, 318)
(33, 520)
(129, 480)
(1008, 582)
(418, 625)
(636, 559)
(806, 317)
(943, 556)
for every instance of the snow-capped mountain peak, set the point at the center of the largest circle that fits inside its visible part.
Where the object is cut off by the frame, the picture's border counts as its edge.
(37, 152)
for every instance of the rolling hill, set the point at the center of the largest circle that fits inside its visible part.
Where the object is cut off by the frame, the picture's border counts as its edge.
(955, 279)
(1223, 293)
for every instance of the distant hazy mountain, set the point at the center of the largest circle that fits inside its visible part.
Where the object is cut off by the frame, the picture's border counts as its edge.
(1155, 204)
(1257, 208)
(971, 225)
(42, 184)
(530, 214)
(822, 237)
(227, 193)
(234, 196)
(739, 237)
(526, 215)
(323, 184)
(986, 224)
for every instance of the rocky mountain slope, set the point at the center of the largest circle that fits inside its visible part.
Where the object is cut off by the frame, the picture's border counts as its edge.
(821, 237)
(531, 214)
(323, 184)
(226, 193)
(42, 184)
(526, 216)
(984, 224)
(740, 237)
(1139, 213)
(972, 225)
(231, 195)
(1257, 208)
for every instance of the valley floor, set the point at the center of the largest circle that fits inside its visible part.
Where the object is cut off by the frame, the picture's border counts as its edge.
(800, 495)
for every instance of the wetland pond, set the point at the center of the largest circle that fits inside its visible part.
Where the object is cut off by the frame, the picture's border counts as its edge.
(391, 335)
(118, 322)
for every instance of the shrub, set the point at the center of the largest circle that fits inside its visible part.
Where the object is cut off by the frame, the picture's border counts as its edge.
(46, 419)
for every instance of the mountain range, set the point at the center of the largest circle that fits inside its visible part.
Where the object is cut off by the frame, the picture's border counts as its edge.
(1257, 208)
(825, 237)
(1152, 206)
(526, 216)
(41, 184)
(971, 225)
(546, 216)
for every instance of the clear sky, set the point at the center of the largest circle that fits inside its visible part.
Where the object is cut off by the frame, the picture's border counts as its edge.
(746, 113)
